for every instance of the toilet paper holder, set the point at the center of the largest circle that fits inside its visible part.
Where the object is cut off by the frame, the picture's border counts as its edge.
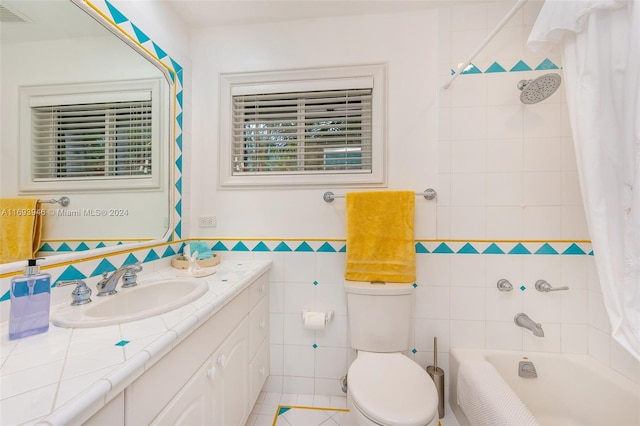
(328, 316)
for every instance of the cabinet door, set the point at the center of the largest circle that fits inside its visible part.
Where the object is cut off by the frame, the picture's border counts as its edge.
(193, 404)
(110, 414)
(230, 383)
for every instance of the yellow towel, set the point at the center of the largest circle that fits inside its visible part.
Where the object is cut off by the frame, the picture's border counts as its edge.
(380, 236)
(20, 228)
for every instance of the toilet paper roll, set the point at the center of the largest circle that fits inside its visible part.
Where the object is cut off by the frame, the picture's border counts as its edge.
(314, 320)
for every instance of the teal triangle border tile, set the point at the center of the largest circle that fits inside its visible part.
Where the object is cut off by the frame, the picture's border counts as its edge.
(64, 247)
(103, 266)
(261, 246)
(519, 249)
(71, 273)
(82, 247)
(46, 247)
(282, 247)
(151, 256)
(574, 249)
(471, 69)
(443, 248)
(117, 16)
(326, 248)
(520, 66)
(161, 54)
(493, 248)
(282, 410)
(101, 245)
(240, 246)
(304, 247)
(176, 66)
(6, 296)
(343, 249)
(421, 248)
(140, 36)
(546, 249)
(168, 252)
(219, 246)
(467, 249)
(495, 67)
(130, 260)
(178, 229)
(547, 65)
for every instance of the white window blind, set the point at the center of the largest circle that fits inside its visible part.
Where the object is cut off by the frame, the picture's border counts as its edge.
(105, 140)
(308, 132)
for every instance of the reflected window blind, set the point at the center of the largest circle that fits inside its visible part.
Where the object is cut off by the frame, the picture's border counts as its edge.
(311, 132)
(104, 140)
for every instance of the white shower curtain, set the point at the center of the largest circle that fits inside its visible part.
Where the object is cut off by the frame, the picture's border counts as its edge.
(600, 44)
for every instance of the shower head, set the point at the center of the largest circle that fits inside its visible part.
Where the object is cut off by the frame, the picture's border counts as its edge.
(539, 89)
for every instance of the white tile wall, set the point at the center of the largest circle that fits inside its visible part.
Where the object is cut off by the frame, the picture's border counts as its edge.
(505, 172)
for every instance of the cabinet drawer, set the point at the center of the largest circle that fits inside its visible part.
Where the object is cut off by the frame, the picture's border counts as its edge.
(258, 372)
(258, 325)
(258, 290)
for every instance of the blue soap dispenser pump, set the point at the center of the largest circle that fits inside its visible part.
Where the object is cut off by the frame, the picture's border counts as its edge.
(30, 302)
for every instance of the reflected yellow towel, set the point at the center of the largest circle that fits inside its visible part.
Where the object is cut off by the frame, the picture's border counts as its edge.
(20, 229)
(380, 236)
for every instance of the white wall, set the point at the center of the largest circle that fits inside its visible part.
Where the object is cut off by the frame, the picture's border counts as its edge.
(504, 173)
(407, 42)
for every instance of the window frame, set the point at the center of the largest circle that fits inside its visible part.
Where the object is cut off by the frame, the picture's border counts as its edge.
(301, 80)
(33, 96)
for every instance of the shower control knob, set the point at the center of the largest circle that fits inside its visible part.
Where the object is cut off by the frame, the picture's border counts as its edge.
(542, 285)
(504, 285)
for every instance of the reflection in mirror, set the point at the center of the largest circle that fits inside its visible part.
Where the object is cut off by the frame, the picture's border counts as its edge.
(56, 57)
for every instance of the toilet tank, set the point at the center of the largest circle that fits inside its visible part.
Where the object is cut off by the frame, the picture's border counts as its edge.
(379, 315)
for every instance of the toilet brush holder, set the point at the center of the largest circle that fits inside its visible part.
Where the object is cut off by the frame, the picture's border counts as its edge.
(437, 375)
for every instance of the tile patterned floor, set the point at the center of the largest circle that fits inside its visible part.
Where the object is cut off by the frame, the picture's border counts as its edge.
(273, 409)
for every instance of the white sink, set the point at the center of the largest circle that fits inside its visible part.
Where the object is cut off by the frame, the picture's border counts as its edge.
(130, 304)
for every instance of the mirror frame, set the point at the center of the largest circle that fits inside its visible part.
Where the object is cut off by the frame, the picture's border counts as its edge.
(117, 23)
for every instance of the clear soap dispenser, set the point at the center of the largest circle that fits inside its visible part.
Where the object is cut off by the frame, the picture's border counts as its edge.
(30, 302)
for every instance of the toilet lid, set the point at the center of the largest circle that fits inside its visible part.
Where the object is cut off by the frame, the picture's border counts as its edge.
(391, 389)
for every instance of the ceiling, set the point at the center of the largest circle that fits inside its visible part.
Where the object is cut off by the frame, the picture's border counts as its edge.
(205, 13)
(47, 20)
(51, 19)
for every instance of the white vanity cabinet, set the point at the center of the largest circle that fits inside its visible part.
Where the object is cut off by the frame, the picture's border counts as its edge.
(212, 377)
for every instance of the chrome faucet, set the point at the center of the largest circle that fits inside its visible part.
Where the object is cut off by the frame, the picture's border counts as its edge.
(107, 285)
(523, 320)
(527, 369)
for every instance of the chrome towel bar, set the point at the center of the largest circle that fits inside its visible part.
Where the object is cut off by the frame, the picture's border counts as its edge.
(63, 201)
(428, 194)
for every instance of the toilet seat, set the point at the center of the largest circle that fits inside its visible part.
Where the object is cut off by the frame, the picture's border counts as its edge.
(391, 389)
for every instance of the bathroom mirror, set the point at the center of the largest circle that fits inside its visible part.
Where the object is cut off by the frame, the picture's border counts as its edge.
(58, 46)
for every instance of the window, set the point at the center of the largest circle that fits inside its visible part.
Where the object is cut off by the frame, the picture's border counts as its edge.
(302, 133)
(97, 136)
(298, 128)
(92, 140)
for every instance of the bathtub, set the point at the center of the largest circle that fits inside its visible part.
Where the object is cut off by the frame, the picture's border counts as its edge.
(569, 390)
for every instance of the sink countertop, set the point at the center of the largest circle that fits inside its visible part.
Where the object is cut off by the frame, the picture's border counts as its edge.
(55, 376)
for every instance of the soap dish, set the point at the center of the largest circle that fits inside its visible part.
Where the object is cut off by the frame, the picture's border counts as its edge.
(197, 274)
(180, 262)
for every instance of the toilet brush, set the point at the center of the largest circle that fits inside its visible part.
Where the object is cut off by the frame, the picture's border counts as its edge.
(437, 374)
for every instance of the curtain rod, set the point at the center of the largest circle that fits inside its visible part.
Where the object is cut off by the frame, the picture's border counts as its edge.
(495, 31)
(428, 194)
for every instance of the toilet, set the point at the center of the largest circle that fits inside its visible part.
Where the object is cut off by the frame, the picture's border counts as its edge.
(385, 387)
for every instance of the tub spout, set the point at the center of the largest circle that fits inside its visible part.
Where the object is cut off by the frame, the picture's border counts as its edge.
(523, 320)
